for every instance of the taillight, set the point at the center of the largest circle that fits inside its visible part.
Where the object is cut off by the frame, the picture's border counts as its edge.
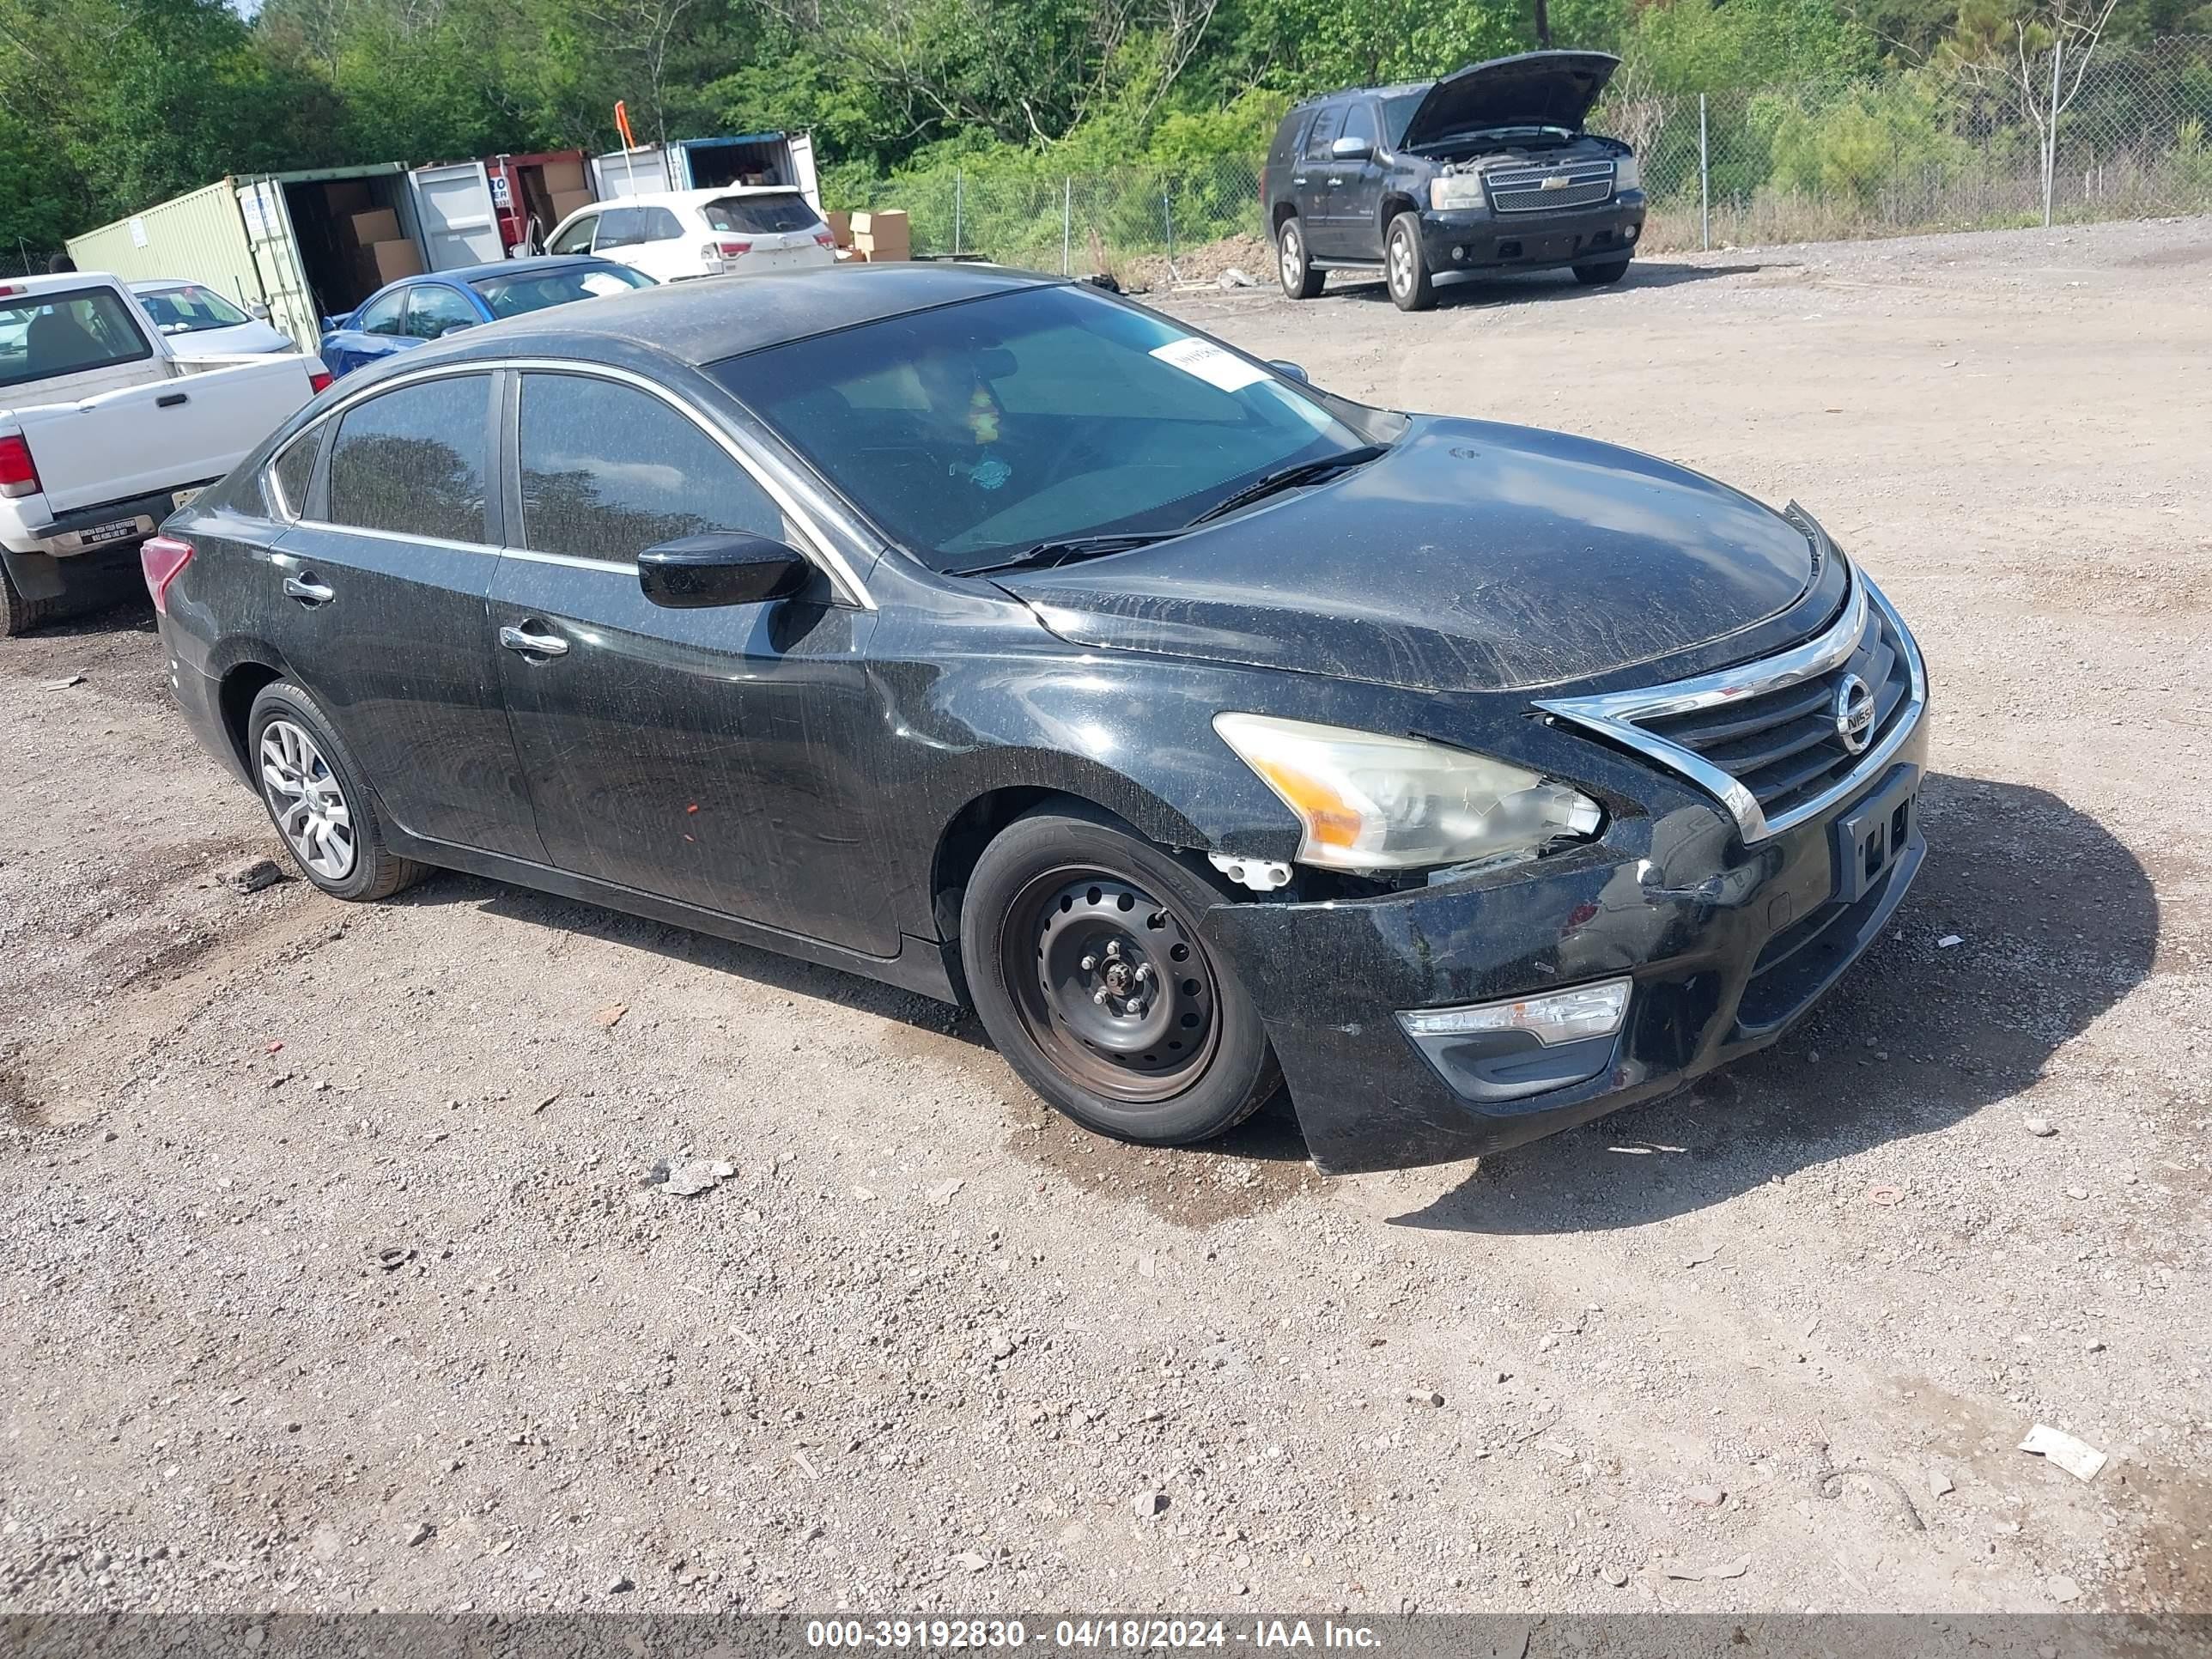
(162, 558)
(826, 237)
(733, 249)
(19, 474)
(319, 380)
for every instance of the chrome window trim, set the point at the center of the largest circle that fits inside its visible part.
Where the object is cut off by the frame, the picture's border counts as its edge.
(812, 542)
(1614, 714)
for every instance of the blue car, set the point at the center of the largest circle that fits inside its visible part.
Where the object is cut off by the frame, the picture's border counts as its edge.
(418, 309)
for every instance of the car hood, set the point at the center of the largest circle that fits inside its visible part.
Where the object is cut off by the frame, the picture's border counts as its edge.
(1536, 89)
(1473, 557)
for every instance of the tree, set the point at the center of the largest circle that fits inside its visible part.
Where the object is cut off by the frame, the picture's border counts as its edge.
(2049, 59)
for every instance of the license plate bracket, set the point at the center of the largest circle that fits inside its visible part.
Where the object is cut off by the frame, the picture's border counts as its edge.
(1867, 840)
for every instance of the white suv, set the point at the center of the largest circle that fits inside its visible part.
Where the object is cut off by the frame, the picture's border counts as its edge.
(701, 233)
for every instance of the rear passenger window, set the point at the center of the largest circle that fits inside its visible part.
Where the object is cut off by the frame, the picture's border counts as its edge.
(412, 462)
(1323, 133)
(608, 472)
(294, 470)
(620, 228)
(661, 225)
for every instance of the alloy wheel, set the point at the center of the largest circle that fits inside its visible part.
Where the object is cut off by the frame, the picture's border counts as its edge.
(1112, 984)
(1292, 254)
(1401, 265)
(306, 800)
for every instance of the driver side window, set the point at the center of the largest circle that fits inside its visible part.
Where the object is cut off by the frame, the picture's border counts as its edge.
(609, 470)
(384, 317)
(1359, 122)
(436, 311)
(577, 239)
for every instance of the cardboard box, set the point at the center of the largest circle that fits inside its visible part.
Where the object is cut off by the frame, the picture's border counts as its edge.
(392, 260)
(564, 178)
(346, 196)
(841, 228)
(376, 225)
(879, 248)
(565, 202)
(880, 222)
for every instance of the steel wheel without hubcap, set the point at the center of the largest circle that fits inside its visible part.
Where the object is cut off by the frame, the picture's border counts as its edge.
(306, 801)
(1112, 985)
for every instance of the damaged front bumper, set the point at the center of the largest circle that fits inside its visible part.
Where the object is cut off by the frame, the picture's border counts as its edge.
(1719, 962)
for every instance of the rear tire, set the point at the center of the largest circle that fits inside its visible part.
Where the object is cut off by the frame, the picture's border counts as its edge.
(17, 614)
(1406, 267)
(318, 801)
(1597, 275)
(1081, 947)
(1292, 264)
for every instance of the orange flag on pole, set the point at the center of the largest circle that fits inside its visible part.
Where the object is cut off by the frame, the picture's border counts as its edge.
(622, 124)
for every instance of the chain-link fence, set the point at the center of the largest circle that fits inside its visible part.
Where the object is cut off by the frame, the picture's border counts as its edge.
(1947, 150)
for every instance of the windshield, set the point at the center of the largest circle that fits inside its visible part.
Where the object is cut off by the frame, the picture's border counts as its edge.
(510, 296)
(72, 332)
(763, 215)
(1397, 111)
(972, 432)
(189, 310)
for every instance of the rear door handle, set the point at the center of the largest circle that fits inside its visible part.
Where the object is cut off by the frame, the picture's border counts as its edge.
(307, 589)
(1299, 179)
(532, 644)
(171, 400)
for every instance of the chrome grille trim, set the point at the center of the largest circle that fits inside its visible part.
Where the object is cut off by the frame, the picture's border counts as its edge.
(1520, 190)
(1615, 714)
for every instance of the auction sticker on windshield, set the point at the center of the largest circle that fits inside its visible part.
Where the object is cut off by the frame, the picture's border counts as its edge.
(1210, 364)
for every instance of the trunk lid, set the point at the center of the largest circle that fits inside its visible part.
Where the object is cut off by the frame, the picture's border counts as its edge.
(1535, 89)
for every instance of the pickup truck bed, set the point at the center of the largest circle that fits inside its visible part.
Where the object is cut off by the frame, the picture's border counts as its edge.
(103, 433)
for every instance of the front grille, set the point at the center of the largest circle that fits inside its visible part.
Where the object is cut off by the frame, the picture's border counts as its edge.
(1537, 189)
(1784, 745)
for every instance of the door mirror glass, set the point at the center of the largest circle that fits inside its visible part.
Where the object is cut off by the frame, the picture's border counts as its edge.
(1352, 149)
(720, 568)
(258, 312)
(1290, 370)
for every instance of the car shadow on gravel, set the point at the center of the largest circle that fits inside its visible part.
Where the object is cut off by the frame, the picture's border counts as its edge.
(2056, 921)
(1539, 287)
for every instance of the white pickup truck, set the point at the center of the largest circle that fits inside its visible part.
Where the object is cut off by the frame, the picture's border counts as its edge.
(105, 432)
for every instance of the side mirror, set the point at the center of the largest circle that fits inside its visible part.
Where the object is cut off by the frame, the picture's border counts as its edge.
(258, 312)
(723, 566)
(1352, 149)
(1290, 370)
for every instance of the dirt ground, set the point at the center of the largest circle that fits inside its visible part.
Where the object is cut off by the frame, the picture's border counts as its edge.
(327, 1281)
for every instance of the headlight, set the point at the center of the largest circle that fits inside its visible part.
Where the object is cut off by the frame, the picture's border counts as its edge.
(1458, 190)
(1627, 173)
(1375, 802)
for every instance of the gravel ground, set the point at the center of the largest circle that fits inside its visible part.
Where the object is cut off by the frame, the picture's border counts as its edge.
(327, 1280)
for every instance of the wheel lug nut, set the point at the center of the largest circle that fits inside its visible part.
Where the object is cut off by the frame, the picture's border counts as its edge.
(1089, 963)
(1099, 996)
(1144, 972)
(1135, 1009)
(1114, 948)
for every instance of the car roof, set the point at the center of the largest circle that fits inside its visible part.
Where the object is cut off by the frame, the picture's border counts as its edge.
(685, 197)
(719, 317)
(159, 284)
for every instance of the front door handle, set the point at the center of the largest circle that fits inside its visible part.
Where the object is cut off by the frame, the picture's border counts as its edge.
(171, 400)
(532, 644)
(308, 591)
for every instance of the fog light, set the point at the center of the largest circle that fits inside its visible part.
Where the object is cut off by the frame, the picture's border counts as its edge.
(1459, 253)
(1630, 232)
(1587, 1011)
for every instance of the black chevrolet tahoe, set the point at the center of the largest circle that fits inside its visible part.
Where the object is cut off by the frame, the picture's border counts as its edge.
(1486, 169)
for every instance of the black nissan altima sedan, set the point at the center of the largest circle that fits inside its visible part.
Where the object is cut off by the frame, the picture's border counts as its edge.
(994, 637)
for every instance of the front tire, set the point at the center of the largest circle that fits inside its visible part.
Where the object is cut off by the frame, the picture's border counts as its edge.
(1082, 952)
(18, 615)
(318, 801)
(1292, 264)
(1406, 266)
(1597, 275)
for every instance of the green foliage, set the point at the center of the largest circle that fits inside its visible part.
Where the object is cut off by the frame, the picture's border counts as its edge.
(1848, 149)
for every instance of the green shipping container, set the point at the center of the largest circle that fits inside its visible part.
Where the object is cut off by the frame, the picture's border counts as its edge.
(282, 244)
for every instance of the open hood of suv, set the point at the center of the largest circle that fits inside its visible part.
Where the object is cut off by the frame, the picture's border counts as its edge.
(1536, 89)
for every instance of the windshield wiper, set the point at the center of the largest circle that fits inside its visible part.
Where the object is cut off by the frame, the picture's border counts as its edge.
(1291, 477)
(1067, 549)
